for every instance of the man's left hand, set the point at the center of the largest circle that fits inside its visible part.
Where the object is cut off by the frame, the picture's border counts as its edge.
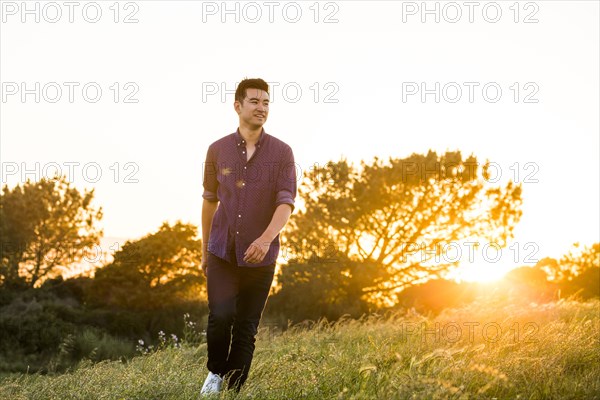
(257, 251)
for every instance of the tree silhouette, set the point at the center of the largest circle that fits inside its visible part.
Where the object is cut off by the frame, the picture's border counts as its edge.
(577, 271)
(576, 261)
(399, 215)
(44, 226)
(155, 271)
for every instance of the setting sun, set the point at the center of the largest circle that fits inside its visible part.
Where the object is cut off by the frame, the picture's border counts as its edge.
(482, 272)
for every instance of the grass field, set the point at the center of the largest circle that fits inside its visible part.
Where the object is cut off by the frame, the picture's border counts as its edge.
(487, 350)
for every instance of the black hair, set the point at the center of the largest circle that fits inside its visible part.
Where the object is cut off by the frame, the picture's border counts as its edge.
(240, 92)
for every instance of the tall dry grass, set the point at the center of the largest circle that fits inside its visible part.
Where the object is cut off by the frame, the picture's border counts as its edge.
(486, 350)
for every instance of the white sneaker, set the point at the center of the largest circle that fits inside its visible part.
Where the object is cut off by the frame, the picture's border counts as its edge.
(212, 384)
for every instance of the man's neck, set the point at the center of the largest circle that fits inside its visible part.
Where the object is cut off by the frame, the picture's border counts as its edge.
(249, 135)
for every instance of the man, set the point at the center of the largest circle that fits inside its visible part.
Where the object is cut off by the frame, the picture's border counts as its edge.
(249, 193)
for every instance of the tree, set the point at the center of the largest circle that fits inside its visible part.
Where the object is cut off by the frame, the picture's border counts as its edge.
(576, 271)
(574, 263)
(399, 214)
(551, 267)
(577, 261)
(587, 284)
(44, 226)
(158, 270)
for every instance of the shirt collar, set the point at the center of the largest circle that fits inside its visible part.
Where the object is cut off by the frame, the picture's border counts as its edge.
(242, 142)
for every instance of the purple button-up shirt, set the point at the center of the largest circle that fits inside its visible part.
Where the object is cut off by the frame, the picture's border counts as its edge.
(248, 193)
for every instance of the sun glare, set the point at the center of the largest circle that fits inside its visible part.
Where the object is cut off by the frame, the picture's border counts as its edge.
(482, 272)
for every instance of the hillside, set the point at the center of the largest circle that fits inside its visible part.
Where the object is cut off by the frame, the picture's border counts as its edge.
(482, 351)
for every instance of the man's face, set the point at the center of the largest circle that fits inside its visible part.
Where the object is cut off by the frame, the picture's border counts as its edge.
(254, 109)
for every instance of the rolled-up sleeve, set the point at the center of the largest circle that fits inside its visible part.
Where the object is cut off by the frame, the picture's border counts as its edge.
(287, 180)
(210, 181)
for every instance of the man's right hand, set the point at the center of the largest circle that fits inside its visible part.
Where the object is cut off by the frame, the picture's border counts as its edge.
(204, 262)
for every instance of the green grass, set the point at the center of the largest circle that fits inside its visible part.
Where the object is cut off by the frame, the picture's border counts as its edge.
(504, 351)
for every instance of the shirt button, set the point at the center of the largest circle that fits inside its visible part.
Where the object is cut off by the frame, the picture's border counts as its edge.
(244, 184)
(243, 152)
(244, 167)
(237, 233)
(239, 215)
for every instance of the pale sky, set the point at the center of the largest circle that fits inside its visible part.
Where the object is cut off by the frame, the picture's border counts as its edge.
(367, 59)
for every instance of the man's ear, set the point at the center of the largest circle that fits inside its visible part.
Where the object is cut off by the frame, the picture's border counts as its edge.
(237, 106)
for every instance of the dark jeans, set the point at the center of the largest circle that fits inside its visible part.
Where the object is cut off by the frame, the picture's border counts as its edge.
(236, 298)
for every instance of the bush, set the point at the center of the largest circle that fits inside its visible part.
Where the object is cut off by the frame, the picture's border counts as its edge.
(95, 345)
